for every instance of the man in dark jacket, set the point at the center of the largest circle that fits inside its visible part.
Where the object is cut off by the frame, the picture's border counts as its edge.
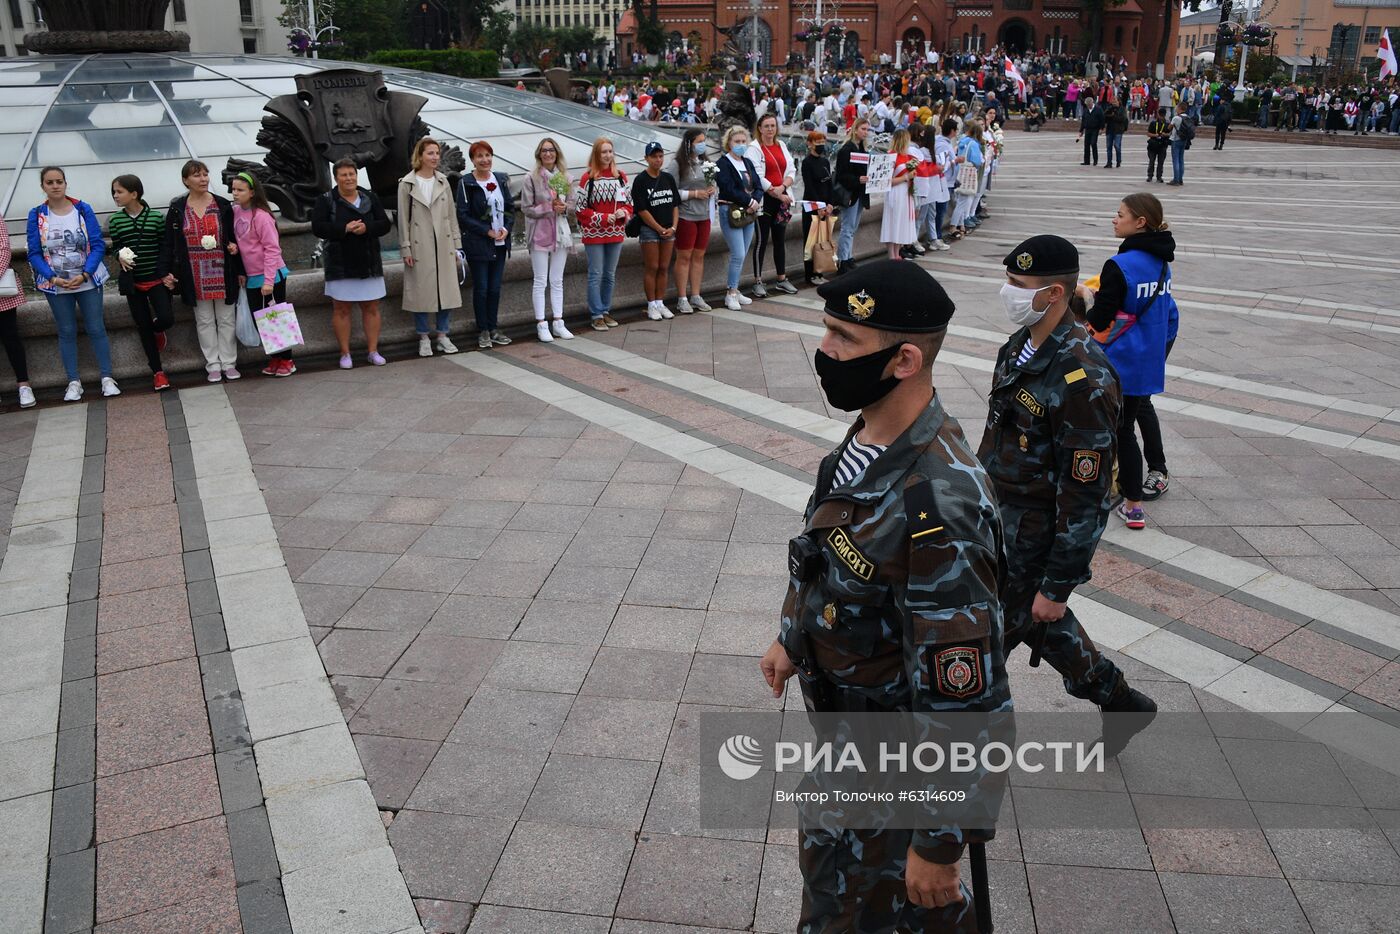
(1090, 126)
(1221, 118)
(1116, 122)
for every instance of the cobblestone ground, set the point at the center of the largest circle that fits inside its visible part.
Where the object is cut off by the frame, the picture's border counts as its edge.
(426, 647)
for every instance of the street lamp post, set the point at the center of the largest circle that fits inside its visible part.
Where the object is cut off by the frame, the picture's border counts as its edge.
(753, 39)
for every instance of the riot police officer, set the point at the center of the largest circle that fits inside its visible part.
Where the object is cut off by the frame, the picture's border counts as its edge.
(1049, 447)
(892, 604)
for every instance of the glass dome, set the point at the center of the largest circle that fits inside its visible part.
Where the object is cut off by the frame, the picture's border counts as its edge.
(100, 116)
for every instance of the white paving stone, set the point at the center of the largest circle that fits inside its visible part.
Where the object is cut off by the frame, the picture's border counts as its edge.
(363, 893)
(323, 824)
(309, 759)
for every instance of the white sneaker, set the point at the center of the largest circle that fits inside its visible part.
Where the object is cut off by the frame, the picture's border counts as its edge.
(560, 331)
(744, 299)
(542, 332)
(683, 306)
(731, 301)
(26, 397)
(665, 312)
(74, 392)
(699, 304)
(109, 387)
(940, 245)
(445, 345)
(653, 312)
(425, 346)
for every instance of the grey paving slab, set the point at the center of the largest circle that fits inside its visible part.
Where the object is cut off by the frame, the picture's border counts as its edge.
(617, 727)
(412, 709)
(447, 856)
(477, 616)
(718, 886)
(363, 892)
(541, 666)
(562, 868)
(1211, 904)
(479, 781)
(1061, 905)
(501, 716)
(1368, 908)
(1329, 843)
(502, 919)
(322, 824)
(588, 791)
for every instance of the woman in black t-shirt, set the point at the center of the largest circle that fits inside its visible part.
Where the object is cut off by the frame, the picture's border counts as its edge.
(656, 198)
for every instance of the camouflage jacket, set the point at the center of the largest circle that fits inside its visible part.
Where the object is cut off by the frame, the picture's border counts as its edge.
(900, 603)
(1051, 437)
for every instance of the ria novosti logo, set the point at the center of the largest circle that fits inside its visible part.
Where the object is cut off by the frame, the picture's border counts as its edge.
(740, 757)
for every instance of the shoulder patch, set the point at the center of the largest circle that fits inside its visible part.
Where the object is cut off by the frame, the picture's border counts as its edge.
(1024, 397)
(1075, 376)
(1086, 466)
(921, 512)
(849, 554)
(958, 671)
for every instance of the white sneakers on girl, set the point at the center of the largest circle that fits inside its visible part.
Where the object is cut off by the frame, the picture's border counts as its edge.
(653, 312)
(731, 301)
(542, 332)
(445, 345)
(560, 331)
(425, 345)
(744, 299)
(74, 392)
(109, 387)
(665, 312)
(26, 397)
(699, 303)
(683, 306)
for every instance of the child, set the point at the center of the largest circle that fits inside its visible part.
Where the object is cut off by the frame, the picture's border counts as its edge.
(138, 238)
(265, 279)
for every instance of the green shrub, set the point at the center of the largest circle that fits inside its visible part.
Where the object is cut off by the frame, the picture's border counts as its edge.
(462, 63)
(1247, 109)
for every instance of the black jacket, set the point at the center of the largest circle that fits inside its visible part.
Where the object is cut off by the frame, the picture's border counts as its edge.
(474, 216)
(735, 188)
(1224, 113)
(1113, 287)
(848, 175)
(1116, 120)
(1093, 119)
(180, 251)
(816, 178)
(350, 256)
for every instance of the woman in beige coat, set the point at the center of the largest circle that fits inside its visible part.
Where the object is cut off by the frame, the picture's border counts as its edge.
(431, 244)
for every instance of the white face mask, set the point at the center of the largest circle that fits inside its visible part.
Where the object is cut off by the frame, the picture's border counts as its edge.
(1019, 303)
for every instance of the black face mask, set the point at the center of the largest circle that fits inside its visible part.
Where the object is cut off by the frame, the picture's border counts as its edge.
(854, 384)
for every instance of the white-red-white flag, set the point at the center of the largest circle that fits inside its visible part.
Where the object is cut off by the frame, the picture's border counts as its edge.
(1386, 54)
(1014, 74)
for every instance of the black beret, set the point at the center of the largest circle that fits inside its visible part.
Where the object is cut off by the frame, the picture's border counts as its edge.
(1044, 255)
(889, 295)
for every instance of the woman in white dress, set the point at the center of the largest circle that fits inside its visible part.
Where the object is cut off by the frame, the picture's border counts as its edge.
(897, 227)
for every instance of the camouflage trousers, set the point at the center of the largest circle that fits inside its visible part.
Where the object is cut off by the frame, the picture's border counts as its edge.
(1030, 534)
(853, 880)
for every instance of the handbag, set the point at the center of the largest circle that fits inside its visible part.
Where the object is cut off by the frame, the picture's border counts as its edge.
(9, 284)
(967, 176)
(824, 250)
(243, 326)
(278, 327)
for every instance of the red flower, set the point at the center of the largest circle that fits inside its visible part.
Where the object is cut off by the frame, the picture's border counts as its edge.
(490, 186)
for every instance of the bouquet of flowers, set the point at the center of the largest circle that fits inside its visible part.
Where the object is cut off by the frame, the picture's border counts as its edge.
(209, 242)
(127, 256)
(559, 184)
(711, 172)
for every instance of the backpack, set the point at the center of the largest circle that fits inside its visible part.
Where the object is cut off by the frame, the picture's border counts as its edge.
(1187, 131)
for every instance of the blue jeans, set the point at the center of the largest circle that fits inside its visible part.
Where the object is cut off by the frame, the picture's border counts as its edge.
(1115, 144)
(738, 239)
(65, 309)
(486, 289)
(602, 275)
(420, 321)
(846, 237)
(1178, 160)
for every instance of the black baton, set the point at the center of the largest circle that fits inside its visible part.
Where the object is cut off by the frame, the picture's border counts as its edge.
(981, 892)
(1038, 643)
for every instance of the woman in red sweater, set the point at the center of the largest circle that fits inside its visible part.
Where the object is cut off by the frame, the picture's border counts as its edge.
(603, 205)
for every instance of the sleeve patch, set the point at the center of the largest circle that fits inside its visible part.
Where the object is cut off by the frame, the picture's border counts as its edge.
(1086, 466)
(958, 671)
(1075, 376)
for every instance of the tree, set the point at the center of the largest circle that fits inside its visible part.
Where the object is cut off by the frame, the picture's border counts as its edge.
(1168, 10)
(651, 35)
(1095, 9)
(499, 30)
(474, 18)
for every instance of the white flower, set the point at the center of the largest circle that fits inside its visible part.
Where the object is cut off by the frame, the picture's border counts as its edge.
(127, 255)
(208, 241)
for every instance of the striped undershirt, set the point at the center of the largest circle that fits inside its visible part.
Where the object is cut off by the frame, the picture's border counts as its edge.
(854, 460)
(1027, 351)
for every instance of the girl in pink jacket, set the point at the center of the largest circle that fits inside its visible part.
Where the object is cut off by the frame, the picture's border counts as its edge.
(258, 247)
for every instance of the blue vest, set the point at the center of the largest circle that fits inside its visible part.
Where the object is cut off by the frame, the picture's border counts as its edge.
(1140, 353)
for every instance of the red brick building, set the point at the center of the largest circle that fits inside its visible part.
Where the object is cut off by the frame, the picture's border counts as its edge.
(1131, 31)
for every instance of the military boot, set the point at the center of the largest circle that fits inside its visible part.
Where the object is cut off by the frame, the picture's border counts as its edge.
(1132, 711)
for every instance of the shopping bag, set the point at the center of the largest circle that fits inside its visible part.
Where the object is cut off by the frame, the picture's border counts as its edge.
(967, 177)
(814, 233)
(243, 326)
(278, 326)
(824, 250)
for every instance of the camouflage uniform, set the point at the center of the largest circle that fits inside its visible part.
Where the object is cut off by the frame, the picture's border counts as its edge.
(896, 609)
(1049, 448)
